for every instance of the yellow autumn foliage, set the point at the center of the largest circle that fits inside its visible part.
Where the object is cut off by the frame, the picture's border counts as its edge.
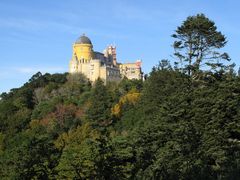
(131, 98)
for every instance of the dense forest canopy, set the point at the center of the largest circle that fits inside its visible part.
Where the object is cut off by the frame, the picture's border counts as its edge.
(182, 122)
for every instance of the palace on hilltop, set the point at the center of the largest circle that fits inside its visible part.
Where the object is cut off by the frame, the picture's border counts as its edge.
(104, 65)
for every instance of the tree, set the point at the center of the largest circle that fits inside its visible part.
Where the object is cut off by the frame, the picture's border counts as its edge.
(164, 64)
(196, 45)
(79, 153)
(100, 105)
(29, 155)
(125, 102)
(35, 77)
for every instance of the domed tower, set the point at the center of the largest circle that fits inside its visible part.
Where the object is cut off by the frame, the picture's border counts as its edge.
(83, 49)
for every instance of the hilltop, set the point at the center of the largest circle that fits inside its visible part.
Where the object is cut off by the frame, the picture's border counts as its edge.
(58, 126)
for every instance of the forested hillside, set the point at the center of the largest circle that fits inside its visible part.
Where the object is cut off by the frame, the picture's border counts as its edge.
(182, 122)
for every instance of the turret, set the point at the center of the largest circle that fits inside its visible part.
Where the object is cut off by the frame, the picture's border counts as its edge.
(83, 48)
(110, 53)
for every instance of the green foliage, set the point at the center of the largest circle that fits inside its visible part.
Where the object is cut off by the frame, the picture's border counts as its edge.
(127, 85)
(196, 45)
(120, 159)
(79, 153)
(99, 111)
(43, 108)
(169, 132)
(29, 156)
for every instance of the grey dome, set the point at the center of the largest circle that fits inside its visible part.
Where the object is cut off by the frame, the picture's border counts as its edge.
(83, 40)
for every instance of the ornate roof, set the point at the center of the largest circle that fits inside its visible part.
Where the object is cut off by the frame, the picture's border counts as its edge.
(83, 40)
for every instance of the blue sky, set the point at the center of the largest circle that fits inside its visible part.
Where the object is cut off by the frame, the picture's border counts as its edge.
(38, 35)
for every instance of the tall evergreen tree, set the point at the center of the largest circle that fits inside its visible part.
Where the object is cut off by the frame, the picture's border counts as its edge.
(99, 111)
(197, 44)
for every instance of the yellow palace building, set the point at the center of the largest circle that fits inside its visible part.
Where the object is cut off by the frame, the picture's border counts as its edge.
(104, 65)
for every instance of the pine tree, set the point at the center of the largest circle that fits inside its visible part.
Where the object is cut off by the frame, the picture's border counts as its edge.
(196, 45)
